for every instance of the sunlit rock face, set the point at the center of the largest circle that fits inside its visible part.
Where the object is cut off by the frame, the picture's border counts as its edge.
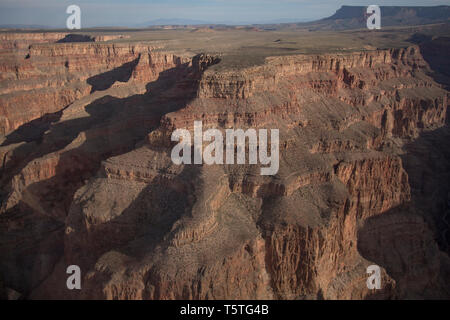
(87, 177)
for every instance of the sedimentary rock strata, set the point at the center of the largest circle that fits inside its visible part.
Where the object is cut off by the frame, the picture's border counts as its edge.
(87, 177)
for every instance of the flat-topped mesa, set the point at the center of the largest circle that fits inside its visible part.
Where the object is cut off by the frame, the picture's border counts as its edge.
(244, 83)
(355, 17)
(14, 41)
(33, 36)
(386, 88)
(54, 36)
(105, 50)
(23, 40)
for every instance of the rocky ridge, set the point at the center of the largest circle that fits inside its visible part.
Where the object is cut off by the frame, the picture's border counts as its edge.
(84, 122)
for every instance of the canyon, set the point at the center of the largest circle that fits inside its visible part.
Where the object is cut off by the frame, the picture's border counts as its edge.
(87, 178)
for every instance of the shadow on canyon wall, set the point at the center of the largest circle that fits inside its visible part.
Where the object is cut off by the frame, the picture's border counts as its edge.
(105, 80)
(76, 38)
(412, 241)
(435, 52)
(35, 129)
(140, 231)
(32, 235)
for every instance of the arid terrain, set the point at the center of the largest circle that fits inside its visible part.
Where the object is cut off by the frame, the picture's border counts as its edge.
(87, 179)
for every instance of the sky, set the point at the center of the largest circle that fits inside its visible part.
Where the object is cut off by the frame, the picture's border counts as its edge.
(95, 13)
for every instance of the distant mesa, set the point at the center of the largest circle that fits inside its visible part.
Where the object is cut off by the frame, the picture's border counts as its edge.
(345, 18)
(354, 17)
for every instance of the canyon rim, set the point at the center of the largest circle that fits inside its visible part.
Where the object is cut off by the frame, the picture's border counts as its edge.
(87, 179)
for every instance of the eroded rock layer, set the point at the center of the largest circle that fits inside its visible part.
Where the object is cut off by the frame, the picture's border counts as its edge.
(87, 177)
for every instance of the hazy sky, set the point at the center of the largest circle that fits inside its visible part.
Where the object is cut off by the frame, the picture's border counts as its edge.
(133, 12)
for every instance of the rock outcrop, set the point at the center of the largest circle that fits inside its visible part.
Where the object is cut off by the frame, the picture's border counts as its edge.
(87, 177)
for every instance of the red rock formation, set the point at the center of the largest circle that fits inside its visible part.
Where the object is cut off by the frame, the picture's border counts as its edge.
(98, 174)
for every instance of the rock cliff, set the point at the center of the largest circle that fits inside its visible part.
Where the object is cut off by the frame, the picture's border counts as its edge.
(87, 177)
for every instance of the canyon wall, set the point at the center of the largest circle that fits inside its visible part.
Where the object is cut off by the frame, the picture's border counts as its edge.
(87, 177)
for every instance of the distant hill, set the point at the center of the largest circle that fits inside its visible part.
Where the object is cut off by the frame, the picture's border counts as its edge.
(347, 17)
(355, 17)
